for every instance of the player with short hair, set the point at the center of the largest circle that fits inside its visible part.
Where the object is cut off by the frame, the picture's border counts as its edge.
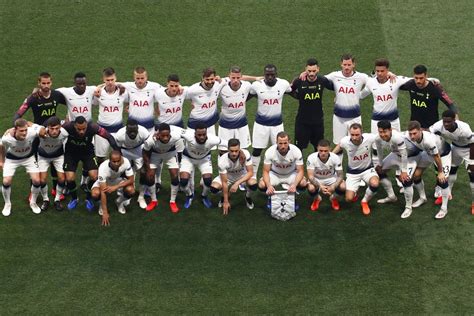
(325, 176)
(130, 139)
(51, 151)
(403, 158)
(348, 84)
(203, 96)
(160, 148)
(43, 103)
(358, 146)
(141, 94)
(17, 150)
(111, 103)
(425, 96)
(309, 121)
(79, 98)
(269, 119)
(79, 148)
(283, 165)
(435, 150)
(170, 101)
(385, 95)
(460, 135)
(235, 168)
(114, 175)
(233, 118)
(197, 154)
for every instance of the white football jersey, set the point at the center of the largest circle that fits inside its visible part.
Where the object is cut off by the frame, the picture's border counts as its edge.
(233, 109)
(141, 102)
(50, 147)
(19, 149)
(359, 156)
(78, 104)
(324, 170)
(270, 100)
(111, 108)
(429, 143)
(126, 142)
(158, 147)
(396, 143)
(106, 174)
(283, 165)
(462, 136)
(171, 108)
(385, 97)
(198, 151)
(234, 168)
(347, 90)
(204, 104)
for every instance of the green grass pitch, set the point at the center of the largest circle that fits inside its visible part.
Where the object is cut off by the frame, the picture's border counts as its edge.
(198, 261)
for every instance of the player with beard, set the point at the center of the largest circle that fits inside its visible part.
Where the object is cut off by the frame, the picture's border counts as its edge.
(309, 121)
(44, 103)
(460, 135)
(197, 154)
(235, 168)
(358, 147)
(325, 176)
(51, 152)
(283, 165)
(80, 148)
(437, 151)
(233, 119)
(203, 96)
(424, 98)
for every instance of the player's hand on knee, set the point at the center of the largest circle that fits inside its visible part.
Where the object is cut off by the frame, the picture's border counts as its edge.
(292, 188)
(404, 177)
(233, 188)
(441, 177)
(270, 190)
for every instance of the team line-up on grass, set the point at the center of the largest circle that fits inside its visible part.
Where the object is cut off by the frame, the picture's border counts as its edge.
(154, 137)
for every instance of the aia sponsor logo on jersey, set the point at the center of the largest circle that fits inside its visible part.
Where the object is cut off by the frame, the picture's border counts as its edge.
(360, 157)
(140, 103)
(384, 97)
(79, 109)
(236, 105)
(282, 166)
(270, 102)
(22, 150)
(48, 112)
(348, 90)
(173, 110)
(111, 108)
(208, 105)
(324, 172)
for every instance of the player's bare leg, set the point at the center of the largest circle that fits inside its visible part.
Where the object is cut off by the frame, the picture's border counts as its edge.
(369, 193)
